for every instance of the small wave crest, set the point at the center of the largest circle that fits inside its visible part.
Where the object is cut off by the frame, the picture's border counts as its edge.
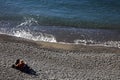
(28, 21)
(95, 43)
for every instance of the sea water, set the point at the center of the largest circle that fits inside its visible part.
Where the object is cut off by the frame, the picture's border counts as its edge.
(87, 22)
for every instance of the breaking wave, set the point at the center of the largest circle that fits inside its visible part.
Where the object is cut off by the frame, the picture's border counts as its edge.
(40, 37)
(23, 30)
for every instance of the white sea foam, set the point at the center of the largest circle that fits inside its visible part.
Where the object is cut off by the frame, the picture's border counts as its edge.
(84, 42)
(94, 43)
(40, 37)
(112, 44)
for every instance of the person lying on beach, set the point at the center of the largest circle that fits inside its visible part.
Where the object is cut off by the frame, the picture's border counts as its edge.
(22, 66)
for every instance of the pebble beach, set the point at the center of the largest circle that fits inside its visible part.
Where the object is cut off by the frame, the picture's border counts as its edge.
(53, 61)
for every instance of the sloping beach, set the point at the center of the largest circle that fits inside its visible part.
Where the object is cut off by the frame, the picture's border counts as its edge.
(54, 61)
(60, 39)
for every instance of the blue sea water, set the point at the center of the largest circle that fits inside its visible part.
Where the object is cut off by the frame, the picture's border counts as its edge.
(62, 19)
(71, 13)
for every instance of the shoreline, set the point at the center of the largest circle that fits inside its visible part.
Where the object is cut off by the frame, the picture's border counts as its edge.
(60, 46)
(53, 61)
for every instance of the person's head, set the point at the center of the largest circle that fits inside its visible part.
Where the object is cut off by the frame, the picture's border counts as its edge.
(17, 61)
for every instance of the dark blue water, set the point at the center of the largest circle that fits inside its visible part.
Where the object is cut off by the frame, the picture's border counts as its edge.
(71, 13)
(79, 21)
